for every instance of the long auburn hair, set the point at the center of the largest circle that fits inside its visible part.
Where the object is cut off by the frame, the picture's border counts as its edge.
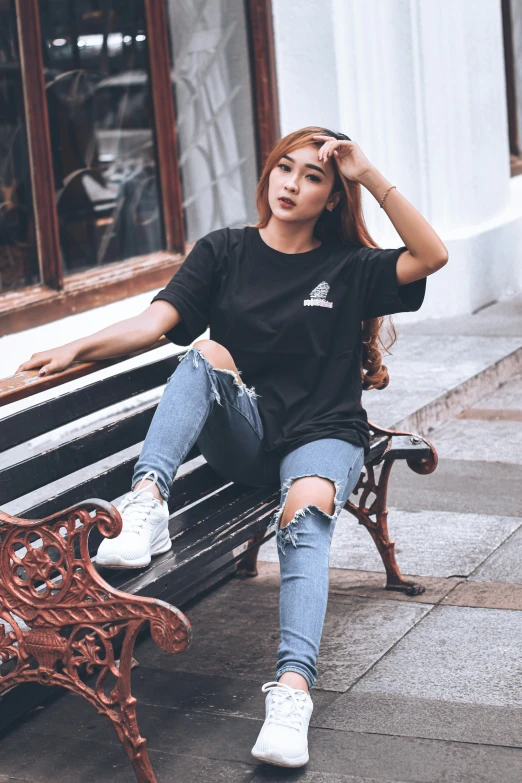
(344, 224)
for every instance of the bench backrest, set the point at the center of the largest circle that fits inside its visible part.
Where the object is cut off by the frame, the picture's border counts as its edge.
(23, 476)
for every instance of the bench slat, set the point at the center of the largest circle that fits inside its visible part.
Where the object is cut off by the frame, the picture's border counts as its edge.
(195, 527)
(377, 447)
(114, 482)
(193, 487)
(49, 415)
(60, 461)
(109, 484)
(221, 532)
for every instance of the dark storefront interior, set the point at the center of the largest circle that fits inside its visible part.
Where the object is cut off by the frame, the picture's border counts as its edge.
(128, 128)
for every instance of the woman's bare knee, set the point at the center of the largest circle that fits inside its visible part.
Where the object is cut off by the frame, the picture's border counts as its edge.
(218, 356)
(305, 491)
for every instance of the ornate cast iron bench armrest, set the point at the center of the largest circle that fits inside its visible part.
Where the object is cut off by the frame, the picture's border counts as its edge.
(73, 621)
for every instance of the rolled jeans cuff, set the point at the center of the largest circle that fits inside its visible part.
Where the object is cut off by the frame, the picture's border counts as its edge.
(297, 670)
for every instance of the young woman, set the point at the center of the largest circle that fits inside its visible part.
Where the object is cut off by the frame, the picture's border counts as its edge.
(297, 302)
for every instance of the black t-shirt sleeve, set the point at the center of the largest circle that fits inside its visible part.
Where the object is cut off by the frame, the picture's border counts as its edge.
(381, 293)
(191, 291)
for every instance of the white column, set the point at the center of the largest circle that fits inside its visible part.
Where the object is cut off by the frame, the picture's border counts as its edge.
(422, 90)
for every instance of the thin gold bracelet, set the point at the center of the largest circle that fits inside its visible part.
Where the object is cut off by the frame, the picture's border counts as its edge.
(382, 200)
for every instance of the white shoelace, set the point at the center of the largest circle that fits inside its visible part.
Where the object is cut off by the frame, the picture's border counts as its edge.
(136, 506)
(285, 705)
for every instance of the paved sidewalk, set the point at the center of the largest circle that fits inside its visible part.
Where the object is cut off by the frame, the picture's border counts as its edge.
(424, 689)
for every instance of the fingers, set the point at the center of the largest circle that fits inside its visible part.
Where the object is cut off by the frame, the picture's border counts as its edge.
(46, 365)
(49, 368)
(331, 145)
(32, 364)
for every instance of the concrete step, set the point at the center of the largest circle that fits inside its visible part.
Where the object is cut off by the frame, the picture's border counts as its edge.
(439, 368)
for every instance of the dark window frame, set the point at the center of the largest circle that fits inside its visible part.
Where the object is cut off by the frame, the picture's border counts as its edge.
(56, 296)
(512, 90)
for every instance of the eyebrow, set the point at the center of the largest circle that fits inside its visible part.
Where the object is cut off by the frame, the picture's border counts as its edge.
(307, 165)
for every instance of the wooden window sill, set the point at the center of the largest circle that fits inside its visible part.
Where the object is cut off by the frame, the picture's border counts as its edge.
(39, 304)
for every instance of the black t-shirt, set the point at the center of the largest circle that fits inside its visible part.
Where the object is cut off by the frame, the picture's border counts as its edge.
(292, 322)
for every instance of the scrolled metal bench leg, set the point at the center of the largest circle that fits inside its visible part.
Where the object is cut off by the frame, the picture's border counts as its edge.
(124, 721)
(247, 564)
(378, 527)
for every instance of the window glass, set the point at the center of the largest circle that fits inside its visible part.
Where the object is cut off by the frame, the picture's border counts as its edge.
(214, 113)
(102, 136)
(18, 255)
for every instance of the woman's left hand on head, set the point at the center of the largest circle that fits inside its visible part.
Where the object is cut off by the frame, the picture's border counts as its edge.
(352, 161)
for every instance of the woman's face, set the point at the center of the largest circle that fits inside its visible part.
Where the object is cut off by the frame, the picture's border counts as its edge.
(304, 180)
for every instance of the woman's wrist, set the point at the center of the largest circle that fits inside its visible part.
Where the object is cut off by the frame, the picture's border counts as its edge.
(81, 349)
(375, 182)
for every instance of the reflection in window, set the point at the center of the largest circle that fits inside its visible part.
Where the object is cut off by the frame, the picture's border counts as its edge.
(214, 116)
(100, 116)
(18, 255)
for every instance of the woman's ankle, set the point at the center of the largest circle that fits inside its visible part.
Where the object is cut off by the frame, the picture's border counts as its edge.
(294, 680)
(151, 487)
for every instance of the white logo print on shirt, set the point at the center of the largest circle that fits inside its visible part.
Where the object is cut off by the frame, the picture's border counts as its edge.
(318, 296)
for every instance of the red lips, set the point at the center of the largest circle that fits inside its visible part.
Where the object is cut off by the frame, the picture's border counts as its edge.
(286, 200)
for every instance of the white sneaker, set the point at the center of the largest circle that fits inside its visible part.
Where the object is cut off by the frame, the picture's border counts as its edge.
(283, 737)
(145, 530)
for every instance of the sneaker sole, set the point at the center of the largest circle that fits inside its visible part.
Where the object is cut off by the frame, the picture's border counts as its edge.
(281, 761)
(119, 562)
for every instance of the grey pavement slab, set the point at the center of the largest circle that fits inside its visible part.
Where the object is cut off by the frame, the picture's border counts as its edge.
(312, 776)
(46, 753)
(307, 775)
(357, 632)
(505, 564)
(488, 595)
(7, 778)
(432, 543)
(210, 744)
(472, 439)
(210, 693)
(455, 654)
(473, 487)
(402, 716)
(236, 634)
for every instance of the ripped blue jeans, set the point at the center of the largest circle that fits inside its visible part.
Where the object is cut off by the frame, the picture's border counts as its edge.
(210, 406)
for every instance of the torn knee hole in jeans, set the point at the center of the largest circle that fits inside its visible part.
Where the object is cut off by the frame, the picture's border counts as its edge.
(211, 370)
(290, 531)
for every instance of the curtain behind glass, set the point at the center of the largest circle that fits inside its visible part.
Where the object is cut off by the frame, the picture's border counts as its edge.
(213, 97)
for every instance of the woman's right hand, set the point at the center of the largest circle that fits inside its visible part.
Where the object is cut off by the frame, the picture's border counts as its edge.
(55, 360)
(120, 339)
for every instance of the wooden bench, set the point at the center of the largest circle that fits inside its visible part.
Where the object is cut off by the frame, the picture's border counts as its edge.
(63, 622)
